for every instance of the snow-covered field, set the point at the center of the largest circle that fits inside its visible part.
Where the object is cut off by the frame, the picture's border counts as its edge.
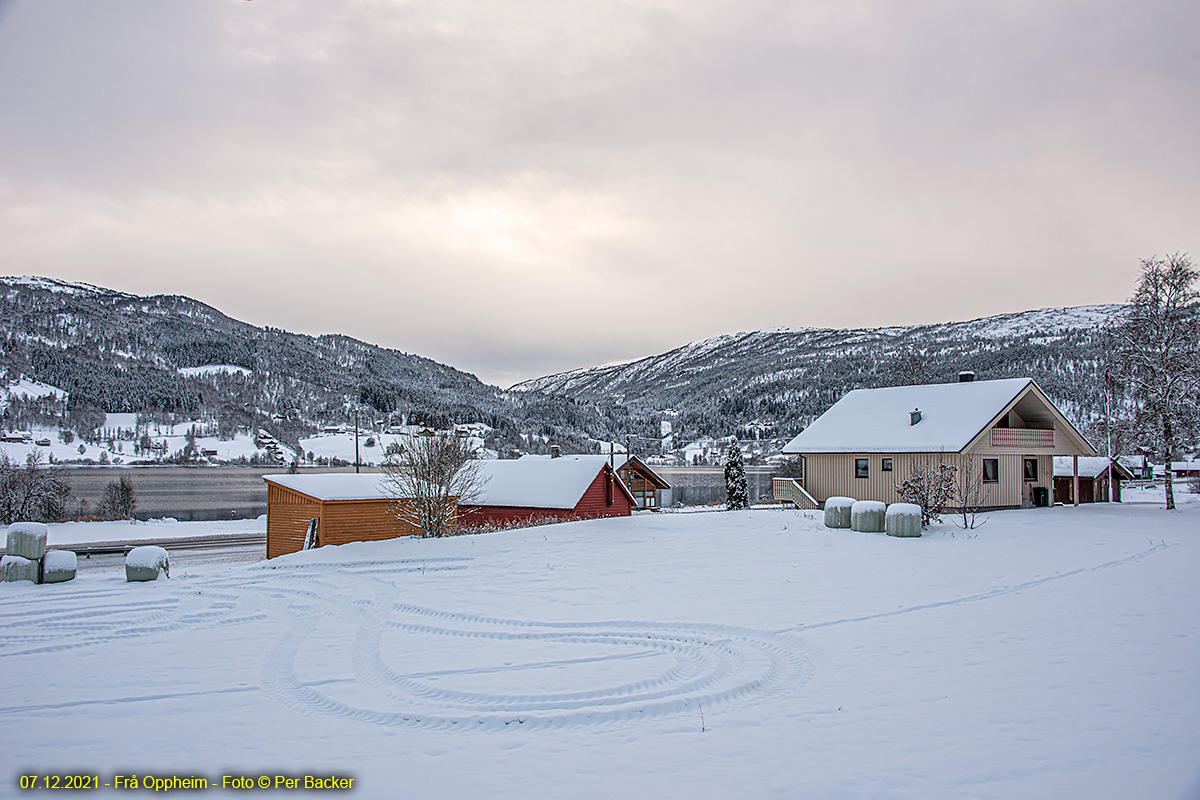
(1052, 653)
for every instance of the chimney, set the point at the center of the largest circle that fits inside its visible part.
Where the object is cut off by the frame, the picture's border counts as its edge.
(914, 416)
(966, 376)
(554, 451)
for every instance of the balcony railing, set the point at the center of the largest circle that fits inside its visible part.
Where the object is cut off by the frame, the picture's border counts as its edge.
(1022, 437)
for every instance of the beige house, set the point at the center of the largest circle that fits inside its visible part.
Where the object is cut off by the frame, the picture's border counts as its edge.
(1006, 432)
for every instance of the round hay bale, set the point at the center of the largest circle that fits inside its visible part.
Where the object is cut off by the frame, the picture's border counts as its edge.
(146, 562)
(866, 516)
(18, 568)
(59, 566)
(26, 539)
(837, 512)
(904, 520)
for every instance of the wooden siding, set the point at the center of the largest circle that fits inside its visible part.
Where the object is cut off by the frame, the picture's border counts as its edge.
(832, 475)
(1022, 437)
(338, 522)
(288, 516)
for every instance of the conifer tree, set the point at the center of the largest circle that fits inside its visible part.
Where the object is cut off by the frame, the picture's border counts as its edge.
(735, 479)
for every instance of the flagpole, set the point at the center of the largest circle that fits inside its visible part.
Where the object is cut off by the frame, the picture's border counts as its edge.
(1108, 417)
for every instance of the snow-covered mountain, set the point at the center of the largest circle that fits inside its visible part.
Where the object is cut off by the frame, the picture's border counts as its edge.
(172, 356)
(782, 378)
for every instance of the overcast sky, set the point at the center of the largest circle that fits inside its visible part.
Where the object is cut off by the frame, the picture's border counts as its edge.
(517, 188)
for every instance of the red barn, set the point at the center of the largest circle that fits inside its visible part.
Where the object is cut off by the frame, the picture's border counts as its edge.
(539, 488)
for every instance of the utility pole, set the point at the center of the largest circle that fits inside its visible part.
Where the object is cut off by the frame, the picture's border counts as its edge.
(355, 441)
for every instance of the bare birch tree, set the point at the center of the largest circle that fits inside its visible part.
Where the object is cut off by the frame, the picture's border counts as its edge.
(1158, 353)
(430, 477)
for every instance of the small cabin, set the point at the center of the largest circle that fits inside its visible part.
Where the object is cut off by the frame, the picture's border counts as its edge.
(343, 507)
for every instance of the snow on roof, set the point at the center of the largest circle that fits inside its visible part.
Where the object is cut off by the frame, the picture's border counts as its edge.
(877, 420)
(539, 481)
(528, 482)
(1089, 466)
(334, 485)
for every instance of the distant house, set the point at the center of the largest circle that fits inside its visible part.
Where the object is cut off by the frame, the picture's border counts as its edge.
(1094, 475)
(1005, 431)
(540, 488)
(646, 485)
(1185, 469)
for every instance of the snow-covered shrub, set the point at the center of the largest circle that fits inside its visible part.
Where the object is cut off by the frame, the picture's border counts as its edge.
(866, 516)
(59, 566)
(903, 520)
(26, 539)
(735, 479)
(18, 568)
(930, 485)
(146, 562)
(837, 512)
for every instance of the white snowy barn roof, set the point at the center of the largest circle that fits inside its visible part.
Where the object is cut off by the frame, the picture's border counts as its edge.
(528, 482)
(952, 416)
(540, 481)
(334, 485)
(1089, 467)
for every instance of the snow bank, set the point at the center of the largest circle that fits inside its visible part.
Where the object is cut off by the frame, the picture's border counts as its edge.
(26, 539)
(146, 562)
(866, 516)
(837, 512)
(59, 566)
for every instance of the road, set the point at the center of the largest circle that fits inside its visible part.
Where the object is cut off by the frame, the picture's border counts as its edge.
(185, 553)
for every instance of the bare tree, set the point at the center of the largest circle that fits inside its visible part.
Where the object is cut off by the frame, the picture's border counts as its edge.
(430, 477)
(792, 467)
(119, 500)
(1158, 353)
(929, 485)
(971, 495)
(32, 491)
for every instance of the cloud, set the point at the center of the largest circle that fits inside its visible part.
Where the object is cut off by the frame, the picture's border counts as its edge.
(521, 187)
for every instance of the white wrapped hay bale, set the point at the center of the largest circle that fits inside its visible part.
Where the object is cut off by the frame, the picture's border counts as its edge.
(867, 516)
(59, 566)
(26, 539)
(146, 562)
(837, 512)
(18, 568)
(904, 520)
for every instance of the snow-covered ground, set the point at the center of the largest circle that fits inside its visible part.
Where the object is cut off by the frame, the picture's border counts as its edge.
(1052, 653)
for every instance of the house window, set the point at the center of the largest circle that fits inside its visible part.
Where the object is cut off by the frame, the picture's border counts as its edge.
(1031, 469)
(991, 470)
(886, 465)
(861, 468)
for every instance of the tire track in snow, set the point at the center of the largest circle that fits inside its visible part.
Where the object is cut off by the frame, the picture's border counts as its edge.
(712, 665)
(988, 595)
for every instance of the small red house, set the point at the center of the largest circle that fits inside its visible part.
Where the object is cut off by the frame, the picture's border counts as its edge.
(540, 488)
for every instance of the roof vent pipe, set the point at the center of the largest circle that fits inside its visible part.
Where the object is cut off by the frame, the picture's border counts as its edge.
(554, 451)
(966, 376)
(914, 416)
